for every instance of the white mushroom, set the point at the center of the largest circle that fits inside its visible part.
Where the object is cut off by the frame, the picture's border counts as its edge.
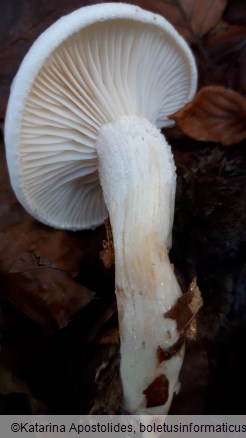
(91, 94)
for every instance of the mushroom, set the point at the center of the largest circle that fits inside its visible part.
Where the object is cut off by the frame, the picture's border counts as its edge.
(83, 142)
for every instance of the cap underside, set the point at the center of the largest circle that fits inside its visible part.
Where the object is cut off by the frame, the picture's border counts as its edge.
(109, 69)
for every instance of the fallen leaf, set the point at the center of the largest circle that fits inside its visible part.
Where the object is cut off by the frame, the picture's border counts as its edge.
(192, 18)
(33, 244)
(202, 15)
(216, 114)
(46, 295)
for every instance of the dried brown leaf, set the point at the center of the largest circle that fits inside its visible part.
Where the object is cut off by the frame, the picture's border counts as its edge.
(48, 296)
(202, 15)
(216, 114)
(192, 18)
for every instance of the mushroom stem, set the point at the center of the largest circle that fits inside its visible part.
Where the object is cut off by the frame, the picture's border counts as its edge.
(137, 174)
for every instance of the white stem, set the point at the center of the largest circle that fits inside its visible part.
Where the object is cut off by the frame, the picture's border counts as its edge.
(138, 178)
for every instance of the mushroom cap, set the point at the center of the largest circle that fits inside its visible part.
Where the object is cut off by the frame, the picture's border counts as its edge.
(89, 68)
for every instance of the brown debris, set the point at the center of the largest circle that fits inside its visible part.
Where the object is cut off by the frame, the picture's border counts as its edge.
(110, 337)
(48, 296)
(191, 333)
(157, 392)
(166, 354)
(107, 254)
(186, 307)
(109, 398)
